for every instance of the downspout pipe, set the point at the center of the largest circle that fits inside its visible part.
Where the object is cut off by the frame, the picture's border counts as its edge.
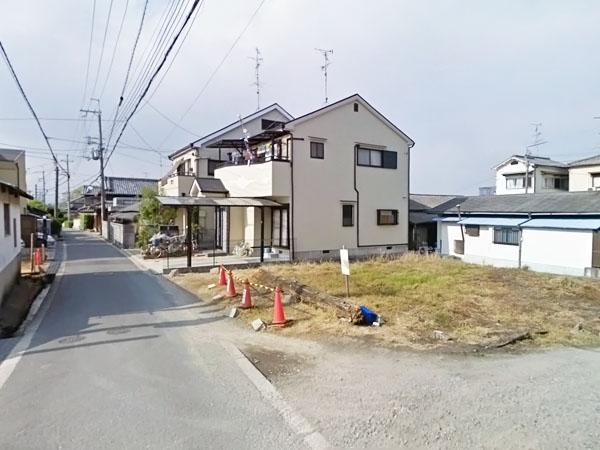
(356, 146)
(290, 149)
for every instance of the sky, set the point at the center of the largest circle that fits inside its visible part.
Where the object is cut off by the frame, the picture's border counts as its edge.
(464, 79)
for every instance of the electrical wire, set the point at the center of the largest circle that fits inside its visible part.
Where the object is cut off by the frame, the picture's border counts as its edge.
(12, 71)
(154, 75)
(214, 72)
(137, 38)
(89, 58)
(102, 48)
(112, 58)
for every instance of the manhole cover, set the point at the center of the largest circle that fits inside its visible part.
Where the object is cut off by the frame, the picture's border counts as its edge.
(119, 331)
(71, 339)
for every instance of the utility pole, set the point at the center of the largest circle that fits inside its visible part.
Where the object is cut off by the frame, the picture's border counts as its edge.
(68, 190)
(324, 67)
(36, 192)
(56, 189)
(257, 59)
(44, 187)
(98, 113)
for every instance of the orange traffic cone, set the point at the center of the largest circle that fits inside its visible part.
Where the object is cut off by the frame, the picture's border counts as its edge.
(278, 315)
(222, 276)
(246, 298)
(230, 286)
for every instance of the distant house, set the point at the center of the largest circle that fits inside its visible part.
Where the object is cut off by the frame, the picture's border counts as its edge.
(119, 192)
(551, 232)
(304, 187)
(584, 174)
(423, 218)
(10, 234)
(543, 175)
(13, 171)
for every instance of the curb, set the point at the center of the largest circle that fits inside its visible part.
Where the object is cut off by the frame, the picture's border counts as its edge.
(313, 438)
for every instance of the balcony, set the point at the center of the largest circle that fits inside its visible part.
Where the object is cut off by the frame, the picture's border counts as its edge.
(259, 179)
(176, 183)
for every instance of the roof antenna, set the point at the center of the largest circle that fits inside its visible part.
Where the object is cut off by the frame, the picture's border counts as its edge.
(537, 141)
(324, 67)
(257, 59)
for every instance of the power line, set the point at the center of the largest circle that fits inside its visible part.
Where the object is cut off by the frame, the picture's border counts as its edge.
(89, 58)
(154, 75)
(12, 71)
(102, 48)
(137, 37)
(167, 118)
(112, 58)
(214, 72)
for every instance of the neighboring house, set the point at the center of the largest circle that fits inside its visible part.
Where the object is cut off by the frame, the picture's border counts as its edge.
(119, 192)
(199, 159)
(10, 234)
(13, 171)
(122, 225)
(544, 175)
(584, 174)
(552, 232)
(335, 177)
(423, 222)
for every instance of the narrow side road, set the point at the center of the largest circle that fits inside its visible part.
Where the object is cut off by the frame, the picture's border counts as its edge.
(110, 366)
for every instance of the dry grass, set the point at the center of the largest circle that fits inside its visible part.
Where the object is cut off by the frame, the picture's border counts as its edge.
(475, 305)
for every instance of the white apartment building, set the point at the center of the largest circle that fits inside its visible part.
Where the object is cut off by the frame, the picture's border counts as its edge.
(544, 175)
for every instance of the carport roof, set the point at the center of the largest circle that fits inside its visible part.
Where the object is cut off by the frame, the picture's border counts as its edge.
(206, 201)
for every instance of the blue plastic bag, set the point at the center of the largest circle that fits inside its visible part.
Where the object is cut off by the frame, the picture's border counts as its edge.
(368, 316)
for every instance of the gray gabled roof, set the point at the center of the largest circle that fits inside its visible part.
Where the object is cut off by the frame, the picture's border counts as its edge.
(424, 202)
(520, 204)
(591, 161)
(534, 160)
(7, 154)
(130, 187)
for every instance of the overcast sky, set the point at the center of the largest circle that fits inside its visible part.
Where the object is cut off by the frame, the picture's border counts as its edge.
(464, 79)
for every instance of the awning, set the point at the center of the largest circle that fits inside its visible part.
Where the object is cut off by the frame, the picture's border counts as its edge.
(15, 190)
(565, 224)
(418, 217)
(446, 219)
(494, 221)
(209, 201)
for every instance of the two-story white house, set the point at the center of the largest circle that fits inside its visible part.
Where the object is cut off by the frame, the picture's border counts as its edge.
(543, 175)
(335, 177)
(584, 174)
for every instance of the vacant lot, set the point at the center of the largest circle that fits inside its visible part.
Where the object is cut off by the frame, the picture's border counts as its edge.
(416, 295)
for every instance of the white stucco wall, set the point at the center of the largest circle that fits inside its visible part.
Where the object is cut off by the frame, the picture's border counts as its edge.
(557, 251)
(15, 172)
(9, 253)
(269, 179)
(321, 186)
(508, 169)
(482, 250)
(580, 178)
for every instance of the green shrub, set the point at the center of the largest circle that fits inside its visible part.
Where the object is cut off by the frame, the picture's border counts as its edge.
(86, 221)
(68, 224)
(55, 227)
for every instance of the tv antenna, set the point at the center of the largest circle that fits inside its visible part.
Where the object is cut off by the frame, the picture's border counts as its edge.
(257, 60)
(537, 141)
(324, 67)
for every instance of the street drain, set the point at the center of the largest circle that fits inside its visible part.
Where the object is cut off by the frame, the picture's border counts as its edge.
(71, 339)
(119, 331)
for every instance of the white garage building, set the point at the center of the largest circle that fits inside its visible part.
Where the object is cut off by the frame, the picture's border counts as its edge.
(556, 233)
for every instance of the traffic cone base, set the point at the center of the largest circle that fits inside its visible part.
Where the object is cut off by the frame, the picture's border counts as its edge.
(230, 286)
(222, 276)
(246, 298)
(278, 314)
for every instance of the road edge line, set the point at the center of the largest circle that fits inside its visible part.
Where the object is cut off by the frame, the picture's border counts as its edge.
(313, 438)
(35, 317)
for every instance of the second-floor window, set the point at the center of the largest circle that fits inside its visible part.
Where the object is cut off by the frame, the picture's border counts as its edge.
(517, 181)
(7, 219)
(596, 180)
(377, 158)
(556, 182)
(317, 150)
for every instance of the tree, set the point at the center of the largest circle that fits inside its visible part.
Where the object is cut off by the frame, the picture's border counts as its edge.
(37, 204)
(152, 214)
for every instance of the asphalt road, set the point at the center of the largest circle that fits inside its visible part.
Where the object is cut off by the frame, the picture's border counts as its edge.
(123, 359)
